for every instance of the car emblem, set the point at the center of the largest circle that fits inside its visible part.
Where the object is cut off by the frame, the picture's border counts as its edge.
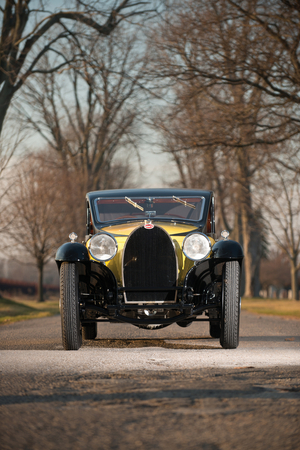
(148, 226)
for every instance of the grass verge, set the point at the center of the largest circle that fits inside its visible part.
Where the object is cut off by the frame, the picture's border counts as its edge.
(273, 307)
(21, 309)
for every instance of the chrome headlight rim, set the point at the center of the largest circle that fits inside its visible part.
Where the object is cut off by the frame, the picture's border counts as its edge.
(206, 238)
(103, 234)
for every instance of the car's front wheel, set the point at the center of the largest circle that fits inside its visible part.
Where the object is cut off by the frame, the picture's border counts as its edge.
(69, 308)
(230, 322)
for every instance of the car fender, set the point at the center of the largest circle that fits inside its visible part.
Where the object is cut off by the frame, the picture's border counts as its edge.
(227, 250)
(72, 252)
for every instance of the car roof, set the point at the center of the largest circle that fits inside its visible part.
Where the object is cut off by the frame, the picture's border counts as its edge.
(150, 192)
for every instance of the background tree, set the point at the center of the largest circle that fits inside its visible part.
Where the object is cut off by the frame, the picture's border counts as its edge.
(272, 64)
(275, 271)
(7, 149)
(89, 114)
(282, 216)
(183, 129)
(9, 145)
(228, 127)
(37, 213)
(29, 31)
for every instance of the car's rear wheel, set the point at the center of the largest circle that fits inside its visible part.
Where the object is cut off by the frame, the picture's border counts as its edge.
(69, 309)
(89, 331)
(230, 321)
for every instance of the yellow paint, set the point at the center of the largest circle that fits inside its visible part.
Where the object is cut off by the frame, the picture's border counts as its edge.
(122, 231)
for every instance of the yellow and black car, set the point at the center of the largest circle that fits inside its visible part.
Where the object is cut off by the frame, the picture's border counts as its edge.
(151, 259)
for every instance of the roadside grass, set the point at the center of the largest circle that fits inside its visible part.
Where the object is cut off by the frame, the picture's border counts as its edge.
(285, 308)
(23, 309)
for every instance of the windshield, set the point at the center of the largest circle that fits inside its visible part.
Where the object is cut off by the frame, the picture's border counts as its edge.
(183, 208)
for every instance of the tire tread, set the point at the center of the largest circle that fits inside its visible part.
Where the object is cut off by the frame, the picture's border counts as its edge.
(231, 307)
(71, 336)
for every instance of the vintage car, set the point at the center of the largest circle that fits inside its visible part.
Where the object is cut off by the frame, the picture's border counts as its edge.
(150, 258)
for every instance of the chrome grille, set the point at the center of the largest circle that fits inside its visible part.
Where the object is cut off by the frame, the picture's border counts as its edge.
(149, 261)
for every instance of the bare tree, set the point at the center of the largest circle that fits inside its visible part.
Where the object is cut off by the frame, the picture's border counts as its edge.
(8, 146)
(275, 270)
(225, 131)
(261, 52)
(10, 143)
(281, 203)
(272, 64)
(37, 214)
(30, 30)
(89, 114)
(6, 153)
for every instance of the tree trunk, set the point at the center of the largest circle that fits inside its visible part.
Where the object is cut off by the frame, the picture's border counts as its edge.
(6, 95)
(247, 253)
(256, 281)
(256, 249)
(250, 229)
(40, 283)
(294, 281)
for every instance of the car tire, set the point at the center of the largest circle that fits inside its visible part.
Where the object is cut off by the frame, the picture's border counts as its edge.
(230, 320)
(69, 297)
(215, 330)
(89, 331)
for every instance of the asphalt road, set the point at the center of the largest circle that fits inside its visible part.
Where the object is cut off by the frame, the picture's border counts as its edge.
(135, 389)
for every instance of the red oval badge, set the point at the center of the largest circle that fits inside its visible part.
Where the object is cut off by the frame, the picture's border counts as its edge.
(148, 226)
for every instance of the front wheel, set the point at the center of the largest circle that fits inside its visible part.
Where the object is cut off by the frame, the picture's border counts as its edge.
(230, 322)
(69, 310)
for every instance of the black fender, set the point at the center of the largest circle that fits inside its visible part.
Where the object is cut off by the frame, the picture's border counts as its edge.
(72, 252)
(102, 275)
(200, 275)
(227, 250)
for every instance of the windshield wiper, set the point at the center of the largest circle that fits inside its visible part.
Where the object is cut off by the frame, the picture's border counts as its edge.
(133, 203)
(176, 199)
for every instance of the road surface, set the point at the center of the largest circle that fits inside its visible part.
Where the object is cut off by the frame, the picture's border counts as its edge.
(135, 389)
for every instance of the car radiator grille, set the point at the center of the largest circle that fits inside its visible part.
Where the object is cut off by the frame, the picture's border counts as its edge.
(149, 261)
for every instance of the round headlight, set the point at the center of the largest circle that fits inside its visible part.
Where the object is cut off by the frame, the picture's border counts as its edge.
(196, 246)
(103, 247)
